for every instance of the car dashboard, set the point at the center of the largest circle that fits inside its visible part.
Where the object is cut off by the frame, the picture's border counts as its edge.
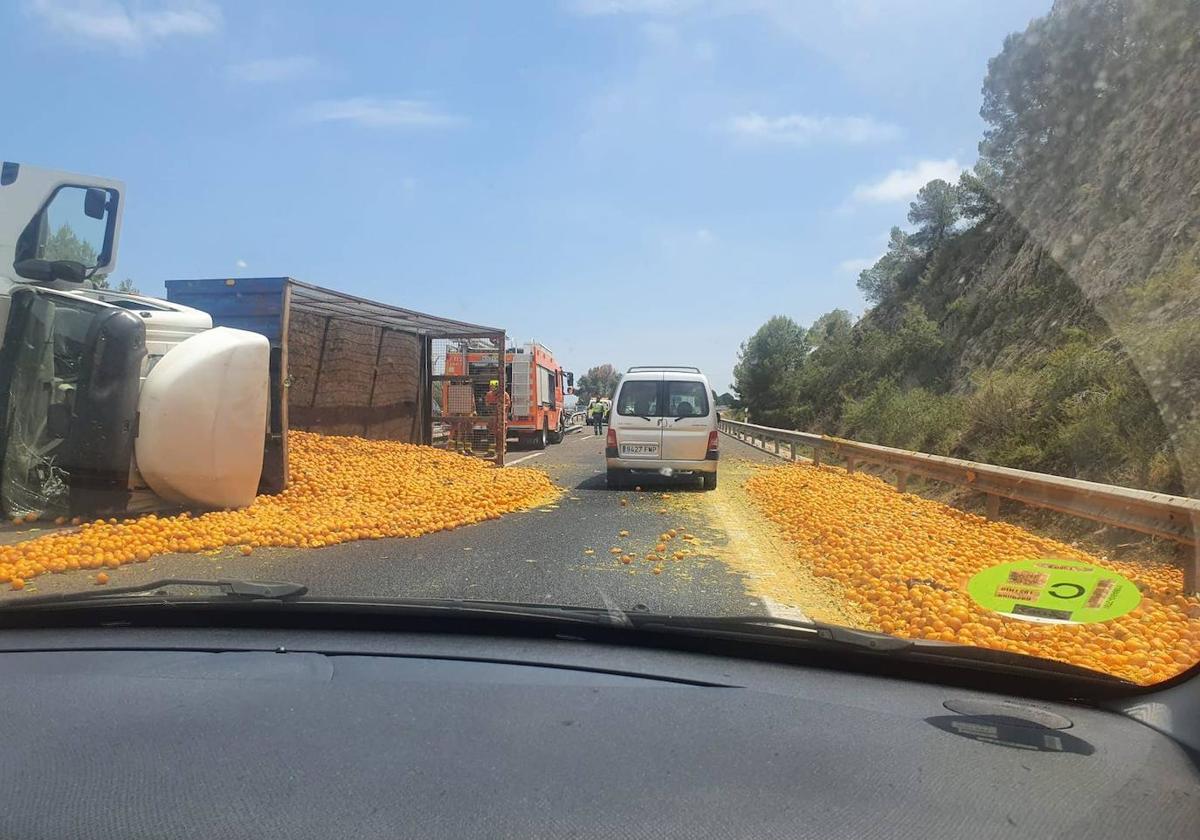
(206, 733)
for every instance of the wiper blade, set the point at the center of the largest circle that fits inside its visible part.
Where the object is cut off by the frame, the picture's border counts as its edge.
(249, 590)
(766, 626)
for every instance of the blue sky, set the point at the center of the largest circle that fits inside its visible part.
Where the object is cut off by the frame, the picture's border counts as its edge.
(630, 181)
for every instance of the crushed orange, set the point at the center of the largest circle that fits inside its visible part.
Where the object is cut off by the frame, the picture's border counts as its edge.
(342, 489)
(905, 562)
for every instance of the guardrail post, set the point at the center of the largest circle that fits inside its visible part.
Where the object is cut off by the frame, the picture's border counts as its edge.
(792, 449)
(851, 464)
(993, 506)
(902, 481)
(1189, 558)
(776, 442)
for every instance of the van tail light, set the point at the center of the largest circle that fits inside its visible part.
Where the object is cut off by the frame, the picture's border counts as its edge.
(611, 440)
(712, 440)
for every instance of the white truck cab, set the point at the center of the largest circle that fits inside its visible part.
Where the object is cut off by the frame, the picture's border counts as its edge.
(663, 421)
(105, 394)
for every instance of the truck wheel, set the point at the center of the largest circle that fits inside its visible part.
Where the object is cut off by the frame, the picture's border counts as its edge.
(539, 439)
(710, 481)
(557, 435)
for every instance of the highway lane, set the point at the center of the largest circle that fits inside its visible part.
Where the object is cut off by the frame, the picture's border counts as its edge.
(538, 556)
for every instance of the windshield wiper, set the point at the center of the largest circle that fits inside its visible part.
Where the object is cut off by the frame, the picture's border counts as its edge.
(766, 626)
(248, 590)
(752, 629)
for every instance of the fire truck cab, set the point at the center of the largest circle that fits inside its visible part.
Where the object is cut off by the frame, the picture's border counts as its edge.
(537, 386)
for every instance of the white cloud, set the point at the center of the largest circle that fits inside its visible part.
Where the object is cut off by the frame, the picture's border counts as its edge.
(375, 113)
(128, 26)
(284, 69)
(241, 264)
(903, 184)
(857, 265)
(803, 129)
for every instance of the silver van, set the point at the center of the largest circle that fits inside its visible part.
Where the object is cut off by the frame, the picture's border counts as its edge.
(664, 422)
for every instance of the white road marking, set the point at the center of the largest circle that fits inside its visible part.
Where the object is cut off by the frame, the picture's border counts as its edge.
(524, 458)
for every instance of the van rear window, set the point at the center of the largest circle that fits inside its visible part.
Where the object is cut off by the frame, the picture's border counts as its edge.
(638, 399)
(681, 399)
(686, 399)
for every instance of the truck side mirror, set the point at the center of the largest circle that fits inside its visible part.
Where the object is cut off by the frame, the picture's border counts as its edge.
(95, 203)
(571, 380)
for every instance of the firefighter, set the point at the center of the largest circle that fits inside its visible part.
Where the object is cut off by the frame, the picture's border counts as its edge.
(492, 398)
(491, 401)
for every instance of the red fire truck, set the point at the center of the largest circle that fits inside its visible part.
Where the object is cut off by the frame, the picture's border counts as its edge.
(536, 386)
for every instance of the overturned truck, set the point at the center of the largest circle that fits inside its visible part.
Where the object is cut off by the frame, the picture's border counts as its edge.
(113, 402)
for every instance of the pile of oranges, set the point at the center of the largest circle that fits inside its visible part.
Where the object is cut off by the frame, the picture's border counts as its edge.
(342, 489)
(905, 561)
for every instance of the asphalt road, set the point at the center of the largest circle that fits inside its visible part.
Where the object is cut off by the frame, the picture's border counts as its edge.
(538, 556)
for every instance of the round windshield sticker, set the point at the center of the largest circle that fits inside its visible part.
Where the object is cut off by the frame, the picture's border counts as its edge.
(1050, 590)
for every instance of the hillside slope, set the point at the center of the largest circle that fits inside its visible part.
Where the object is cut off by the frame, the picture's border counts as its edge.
(1045, 313)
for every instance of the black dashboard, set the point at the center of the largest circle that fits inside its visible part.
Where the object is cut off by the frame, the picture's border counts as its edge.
(194, 733)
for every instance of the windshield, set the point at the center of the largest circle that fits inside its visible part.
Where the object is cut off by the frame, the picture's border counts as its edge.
(875, 316)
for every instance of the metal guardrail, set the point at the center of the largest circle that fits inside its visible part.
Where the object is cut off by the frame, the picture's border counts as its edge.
(1175, 518)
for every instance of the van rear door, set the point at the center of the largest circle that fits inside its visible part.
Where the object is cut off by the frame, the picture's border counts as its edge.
(635, 418)
(686, 419)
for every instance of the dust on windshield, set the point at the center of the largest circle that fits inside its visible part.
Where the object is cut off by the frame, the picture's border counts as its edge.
(875, 318)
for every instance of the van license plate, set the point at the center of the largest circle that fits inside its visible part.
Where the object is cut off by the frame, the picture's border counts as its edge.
(639, 448)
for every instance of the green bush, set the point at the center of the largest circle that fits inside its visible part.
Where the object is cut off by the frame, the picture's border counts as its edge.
(910, 418)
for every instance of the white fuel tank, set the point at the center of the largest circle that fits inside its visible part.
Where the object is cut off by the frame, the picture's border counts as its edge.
(203, 419)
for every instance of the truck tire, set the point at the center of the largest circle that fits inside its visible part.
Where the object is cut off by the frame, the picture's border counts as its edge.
(710, 481)
(557, 435)
(539, 439)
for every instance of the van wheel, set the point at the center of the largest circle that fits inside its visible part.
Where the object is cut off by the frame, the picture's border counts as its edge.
(539, 440)
(710, 481)
(616, 479)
